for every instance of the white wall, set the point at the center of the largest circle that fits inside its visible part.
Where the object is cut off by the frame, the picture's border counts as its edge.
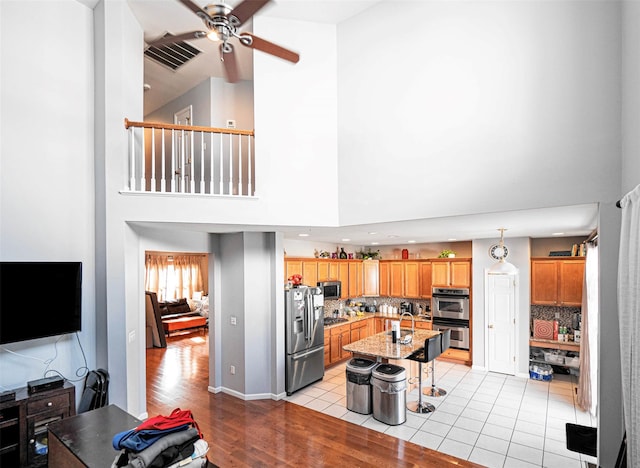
(469, 97)
(46, 176)
(630, 95)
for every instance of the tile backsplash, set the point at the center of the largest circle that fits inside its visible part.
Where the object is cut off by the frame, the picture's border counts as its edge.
(564, 314)
(331, 305)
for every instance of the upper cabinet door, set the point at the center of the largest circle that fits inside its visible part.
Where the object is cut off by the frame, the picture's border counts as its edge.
(396, 279)
(384, 278)
(460, 274)
(411, 279)
(310, 273)
(571, 282)
(425, 279)
(440, 273)
(544, 282)
(370, 278)
(292, 267)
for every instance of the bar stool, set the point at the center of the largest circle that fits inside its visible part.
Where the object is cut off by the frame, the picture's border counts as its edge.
(445, 342)
(432, 349)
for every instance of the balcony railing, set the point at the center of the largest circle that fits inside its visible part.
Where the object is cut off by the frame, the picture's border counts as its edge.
(183, 159)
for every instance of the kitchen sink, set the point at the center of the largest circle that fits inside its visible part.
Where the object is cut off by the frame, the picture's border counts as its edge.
(403, 332)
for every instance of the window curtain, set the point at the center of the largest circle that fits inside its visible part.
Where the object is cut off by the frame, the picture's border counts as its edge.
(156, 269)
(188, 273)
(629, 319)
(588, 380)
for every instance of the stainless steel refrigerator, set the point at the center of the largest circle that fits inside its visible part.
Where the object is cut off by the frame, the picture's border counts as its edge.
(304, 335)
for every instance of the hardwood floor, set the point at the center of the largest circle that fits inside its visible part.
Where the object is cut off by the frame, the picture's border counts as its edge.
(266, 432)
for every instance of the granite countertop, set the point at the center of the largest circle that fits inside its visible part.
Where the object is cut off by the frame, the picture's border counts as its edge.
(381, 347)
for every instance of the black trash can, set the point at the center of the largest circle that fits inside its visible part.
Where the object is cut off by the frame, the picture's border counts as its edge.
(389, 388)
(359, 385)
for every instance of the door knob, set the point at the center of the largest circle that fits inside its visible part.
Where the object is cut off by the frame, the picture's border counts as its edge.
(491, 326)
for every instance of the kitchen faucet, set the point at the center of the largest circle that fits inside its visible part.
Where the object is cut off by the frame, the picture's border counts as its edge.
(413, 323)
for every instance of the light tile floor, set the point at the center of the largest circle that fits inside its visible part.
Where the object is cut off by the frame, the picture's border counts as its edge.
(492, 419)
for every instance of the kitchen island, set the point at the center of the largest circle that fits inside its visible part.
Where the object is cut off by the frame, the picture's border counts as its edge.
(382, 348)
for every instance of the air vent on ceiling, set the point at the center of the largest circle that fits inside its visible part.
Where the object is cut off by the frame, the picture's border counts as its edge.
(173, 55)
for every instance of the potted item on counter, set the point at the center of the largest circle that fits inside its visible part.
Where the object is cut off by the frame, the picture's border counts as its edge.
(446, 253)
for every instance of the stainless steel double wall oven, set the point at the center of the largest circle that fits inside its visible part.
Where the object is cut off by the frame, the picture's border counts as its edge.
(450, 310)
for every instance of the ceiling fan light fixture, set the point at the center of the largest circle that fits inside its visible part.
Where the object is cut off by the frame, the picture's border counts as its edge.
(213, 36)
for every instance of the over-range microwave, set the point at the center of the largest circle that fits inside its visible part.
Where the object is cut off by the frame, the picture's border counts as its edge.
(332, 289)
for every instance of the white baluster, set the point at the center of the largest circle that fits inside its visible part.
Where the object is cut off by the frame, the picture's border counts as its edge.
(192, 185)
(132, 179)
(143, 160)
(163, 179)
(173, 161)
(249, 171)
(221, 190)
(153, 159)
(230, 164)
(240, 165)
(212, 189)
(202, 162)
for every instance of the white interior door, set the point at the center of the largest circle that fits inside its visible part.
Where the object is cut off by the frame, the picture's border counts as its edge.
(501, 326)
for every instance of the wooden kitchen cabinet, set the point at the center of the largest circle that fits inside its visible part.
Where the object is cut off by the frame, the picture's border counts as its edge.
(343, 277)
(339, 337)
(425, 280)
(418, 324)
(355, 278)
(557, 282)
(454, 273)
(383, 278)
(310, 272)
(396, 279)
(359, 330)
(292, 267)
(327, 347)
(411, 287)
(370, 278)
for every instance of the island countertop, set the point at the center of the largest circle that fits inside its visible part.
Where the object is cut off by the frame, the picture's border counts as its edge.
(381, 347)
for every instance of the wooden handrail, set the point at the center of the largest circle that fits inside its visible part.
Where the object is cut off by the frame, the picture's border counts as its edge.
(232, 131)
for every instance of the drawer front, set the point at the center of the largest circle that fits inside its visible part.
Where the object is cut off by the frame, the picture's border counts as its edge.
(45, 404)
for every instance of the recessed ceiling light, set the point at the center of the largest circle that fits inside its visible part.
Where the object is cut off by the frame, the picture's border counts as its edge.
(452, 240)
(373, 232)
(375, 243)
(411, 242)
(558, 234)
(346, 240)
(303, 235)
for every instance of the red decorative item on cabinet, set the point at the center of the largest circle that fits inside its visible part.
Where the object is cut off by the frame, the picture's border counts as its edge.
(405, 254)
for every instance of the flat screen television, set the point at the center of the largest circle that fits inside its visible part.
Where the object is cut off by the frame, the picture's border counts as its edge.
(39, 299)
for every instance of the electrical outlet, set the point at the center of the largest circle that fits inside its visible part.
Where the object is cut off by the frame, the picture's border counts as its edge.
(231, 123)
(232, 370)
(234, 320)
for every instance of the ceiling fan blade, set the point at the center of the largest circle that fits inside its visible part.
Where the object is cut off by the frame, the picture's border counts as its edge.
(229, 62)
(169, 39)
(195, 8)
(269, 47)
(245, 10)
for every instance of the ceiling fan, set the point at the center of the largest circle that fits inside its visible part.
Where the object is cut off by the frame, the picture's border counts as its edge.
(222, 24)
